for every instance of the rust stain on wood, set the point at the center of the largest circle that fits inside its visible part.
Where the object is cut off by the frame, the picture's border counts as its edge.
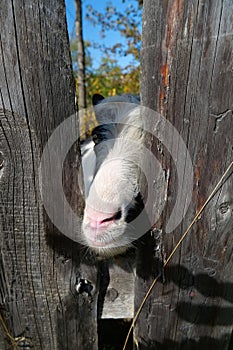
(175, 13)
(201, 201)
(198, 170)
(164, 73)
(173, 21)
(165, 80)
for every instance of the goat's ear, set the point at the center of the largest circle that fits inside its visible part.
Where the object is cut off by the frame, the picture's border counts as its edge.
(96, 99)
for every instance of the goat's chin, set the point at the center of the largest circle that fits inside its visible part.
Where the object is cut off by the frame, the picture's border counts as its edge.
(107, 243)
(106, 252)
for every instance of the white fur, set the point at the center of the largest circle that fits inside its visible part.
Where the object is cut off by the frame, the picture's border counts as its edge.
(88, 164)
(116, 176)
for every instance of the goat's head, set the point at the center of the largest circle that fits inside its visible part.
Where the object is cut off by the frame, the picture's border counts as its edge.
(113, 197)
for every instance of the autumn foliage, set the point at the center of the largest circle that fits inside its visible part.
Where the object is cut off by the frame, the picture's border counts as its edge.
(110, 78)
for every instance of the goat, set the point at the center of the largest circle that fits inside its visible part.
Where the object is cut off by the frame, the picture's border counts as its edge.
(112, 186)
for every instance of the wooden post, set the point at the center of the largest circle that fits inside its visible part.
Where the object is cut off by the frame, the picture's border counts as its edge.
(187, 77)
(39, 268)
(81, 56)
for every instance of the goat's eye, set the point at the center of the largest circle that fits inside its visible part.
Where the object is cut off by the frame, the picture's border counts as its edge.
(95, 139)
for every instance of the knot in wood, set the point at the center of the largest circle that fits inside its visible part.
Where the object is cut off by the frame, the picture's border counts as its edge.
(224, 208)
(83, 286)
(112, 294)
(224, 213)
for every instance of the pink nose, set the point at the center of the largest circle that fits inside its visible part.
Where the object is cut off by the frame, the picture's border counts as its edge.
(97, 219)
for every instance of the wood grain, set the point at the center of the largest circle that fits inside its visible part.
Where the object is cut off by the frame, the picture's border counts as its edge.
(187, 77)
(39, 267)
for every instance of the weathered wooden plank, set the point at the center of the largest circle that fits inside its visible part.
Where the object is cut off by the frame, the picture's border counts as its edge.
(117, 290)
(186, 76)
(39, 268)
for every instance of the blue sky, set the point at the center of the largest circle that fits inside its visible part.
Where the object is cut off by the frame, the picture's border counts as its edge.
(91, 33)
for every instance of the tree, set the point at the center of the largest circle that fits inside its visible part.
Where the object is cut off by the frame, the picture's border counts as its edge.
(110, 77)
(81, 56)
(118, 78)
(108, 80)
(128, 24)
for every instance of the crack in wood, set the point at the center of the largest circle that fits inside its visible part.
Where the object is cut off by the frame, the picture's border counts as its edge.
(220, 117)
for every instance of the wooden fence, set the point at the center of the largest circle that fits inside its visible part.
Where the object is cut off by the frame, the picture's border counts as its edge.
(187, 77)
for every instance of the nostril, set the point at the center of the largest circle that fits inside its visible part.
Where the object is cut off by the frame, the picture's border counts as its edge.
(117, 216)
(107, 219)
